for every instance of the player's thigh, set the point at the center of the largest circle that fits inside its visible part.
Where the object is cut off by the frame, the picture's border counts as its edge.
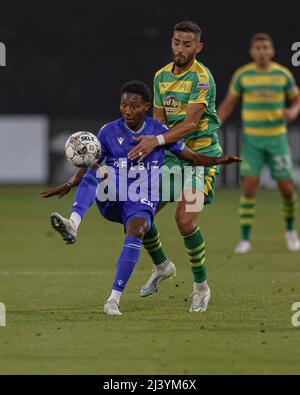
(203, 178)
(112, 211)
(279, 158)
(188, 208)
(178, 176)
(142, 208)
(253, 156)
(171, 181)
(210, 176)
(191, 201)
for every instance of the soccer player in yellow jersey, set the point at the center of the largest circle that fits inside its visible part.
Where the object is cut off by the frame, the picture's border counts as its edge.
(185, 100)
(264, 87)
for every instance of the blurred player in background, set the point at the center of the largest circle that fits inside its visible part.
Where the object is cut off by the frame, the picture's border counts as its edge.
(136, 216)
(264, 87)
(185, 99)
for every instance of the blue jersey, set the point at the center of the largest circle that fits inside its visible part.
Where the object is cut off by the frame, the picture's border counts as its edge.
(130, 177)
(131, 189)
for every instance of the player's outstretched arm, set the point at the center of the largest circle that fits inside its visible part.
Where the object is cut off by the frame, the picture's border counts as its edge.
(227, 106)
(74, 181)
(185, 128)
(203, 160)
(65, 188)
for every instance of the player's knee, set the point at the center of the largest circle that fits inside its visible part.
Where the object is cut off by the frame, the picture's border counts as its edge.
(249, 191)
(137, 228)
(185, 224)
(250, 185)
(288, 194)
(136, 232)
(249, 194)
(287, 189)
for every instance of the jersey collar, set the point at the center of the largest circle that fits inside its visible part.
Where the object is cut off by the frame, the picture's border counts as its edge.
(270, 68)
(135, 133)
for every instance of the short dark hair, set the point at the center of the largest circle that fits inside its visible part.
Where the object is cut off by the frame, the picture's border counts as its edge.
(261, 37)
(188, 26)
(139, 88)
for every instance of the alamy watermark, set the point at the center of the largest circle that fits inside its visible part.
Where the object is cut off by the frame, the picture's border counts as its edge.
(296, 55)
(149, 183)
(2, 314)
(296, 316)
(2, 54)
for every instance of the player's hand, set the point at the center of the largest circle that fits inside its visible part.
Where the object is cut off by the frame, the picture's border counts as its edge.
(290, 114)
(62, 190)
(145, 146)
(227, 159)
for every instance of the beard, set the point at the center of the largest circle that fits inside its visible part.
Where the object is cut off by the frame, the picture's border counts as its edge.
(182, 61)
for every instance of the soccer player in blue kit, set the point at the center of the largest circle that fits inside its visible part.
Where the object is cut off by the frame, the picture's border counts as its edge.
(135, 214)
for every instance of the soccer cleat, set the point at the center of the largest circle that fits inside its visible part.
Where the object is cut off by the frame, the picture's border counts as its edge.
(65, 227)
(243, 247)
(111, 307)
(157, 276)
(200, 301)
(292, 240)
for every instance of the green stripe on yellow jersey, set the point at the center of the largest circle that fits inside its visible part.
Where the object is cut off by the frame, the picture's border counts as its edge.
(174, 93)
(264, 95)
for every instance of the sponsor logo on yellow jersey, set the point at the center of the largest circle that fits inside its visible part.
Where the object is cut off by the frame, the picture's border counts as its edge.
(171, 104)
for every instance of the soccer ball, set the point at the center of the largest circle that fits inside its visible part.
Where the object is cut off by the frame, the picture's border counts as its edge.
(83, 149)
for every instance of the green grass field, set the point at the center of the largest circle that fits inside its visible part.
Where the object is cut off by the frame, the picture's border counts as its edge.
(54, 296)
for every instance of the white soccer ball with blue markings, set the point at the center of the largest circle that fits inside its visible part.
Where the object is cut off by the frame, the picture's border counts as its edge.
(83, 149)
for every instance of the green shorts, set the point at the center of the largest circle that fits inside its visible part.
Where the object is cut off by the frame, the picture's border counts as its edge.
(179, 175)
(272, 151)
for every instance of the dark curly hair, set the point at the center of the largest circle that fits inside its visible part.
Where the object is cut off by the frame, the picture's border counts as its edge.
(139, 88)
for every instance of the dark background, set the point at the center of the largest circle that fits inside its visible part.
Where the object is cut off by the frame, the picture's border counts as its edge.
(69, 59)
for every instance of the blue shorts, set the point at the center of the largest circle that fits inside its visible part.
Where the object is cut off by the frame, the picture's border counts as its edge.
(123, 212)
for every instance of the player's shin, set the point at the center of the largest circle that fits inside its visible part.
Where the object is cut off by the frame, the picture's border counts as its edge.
(129, 257)
(289, 207)
(195, 247)
(152, 245)
(247, 214)
(84, 198)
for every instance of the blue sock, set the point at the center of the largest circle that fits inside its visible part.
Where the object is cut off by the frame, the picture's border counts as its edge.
(129, 256)
(86, 193)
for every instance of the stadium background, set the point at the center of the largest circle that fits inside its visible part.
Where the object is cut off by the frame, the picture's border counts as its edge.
(66, 62)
